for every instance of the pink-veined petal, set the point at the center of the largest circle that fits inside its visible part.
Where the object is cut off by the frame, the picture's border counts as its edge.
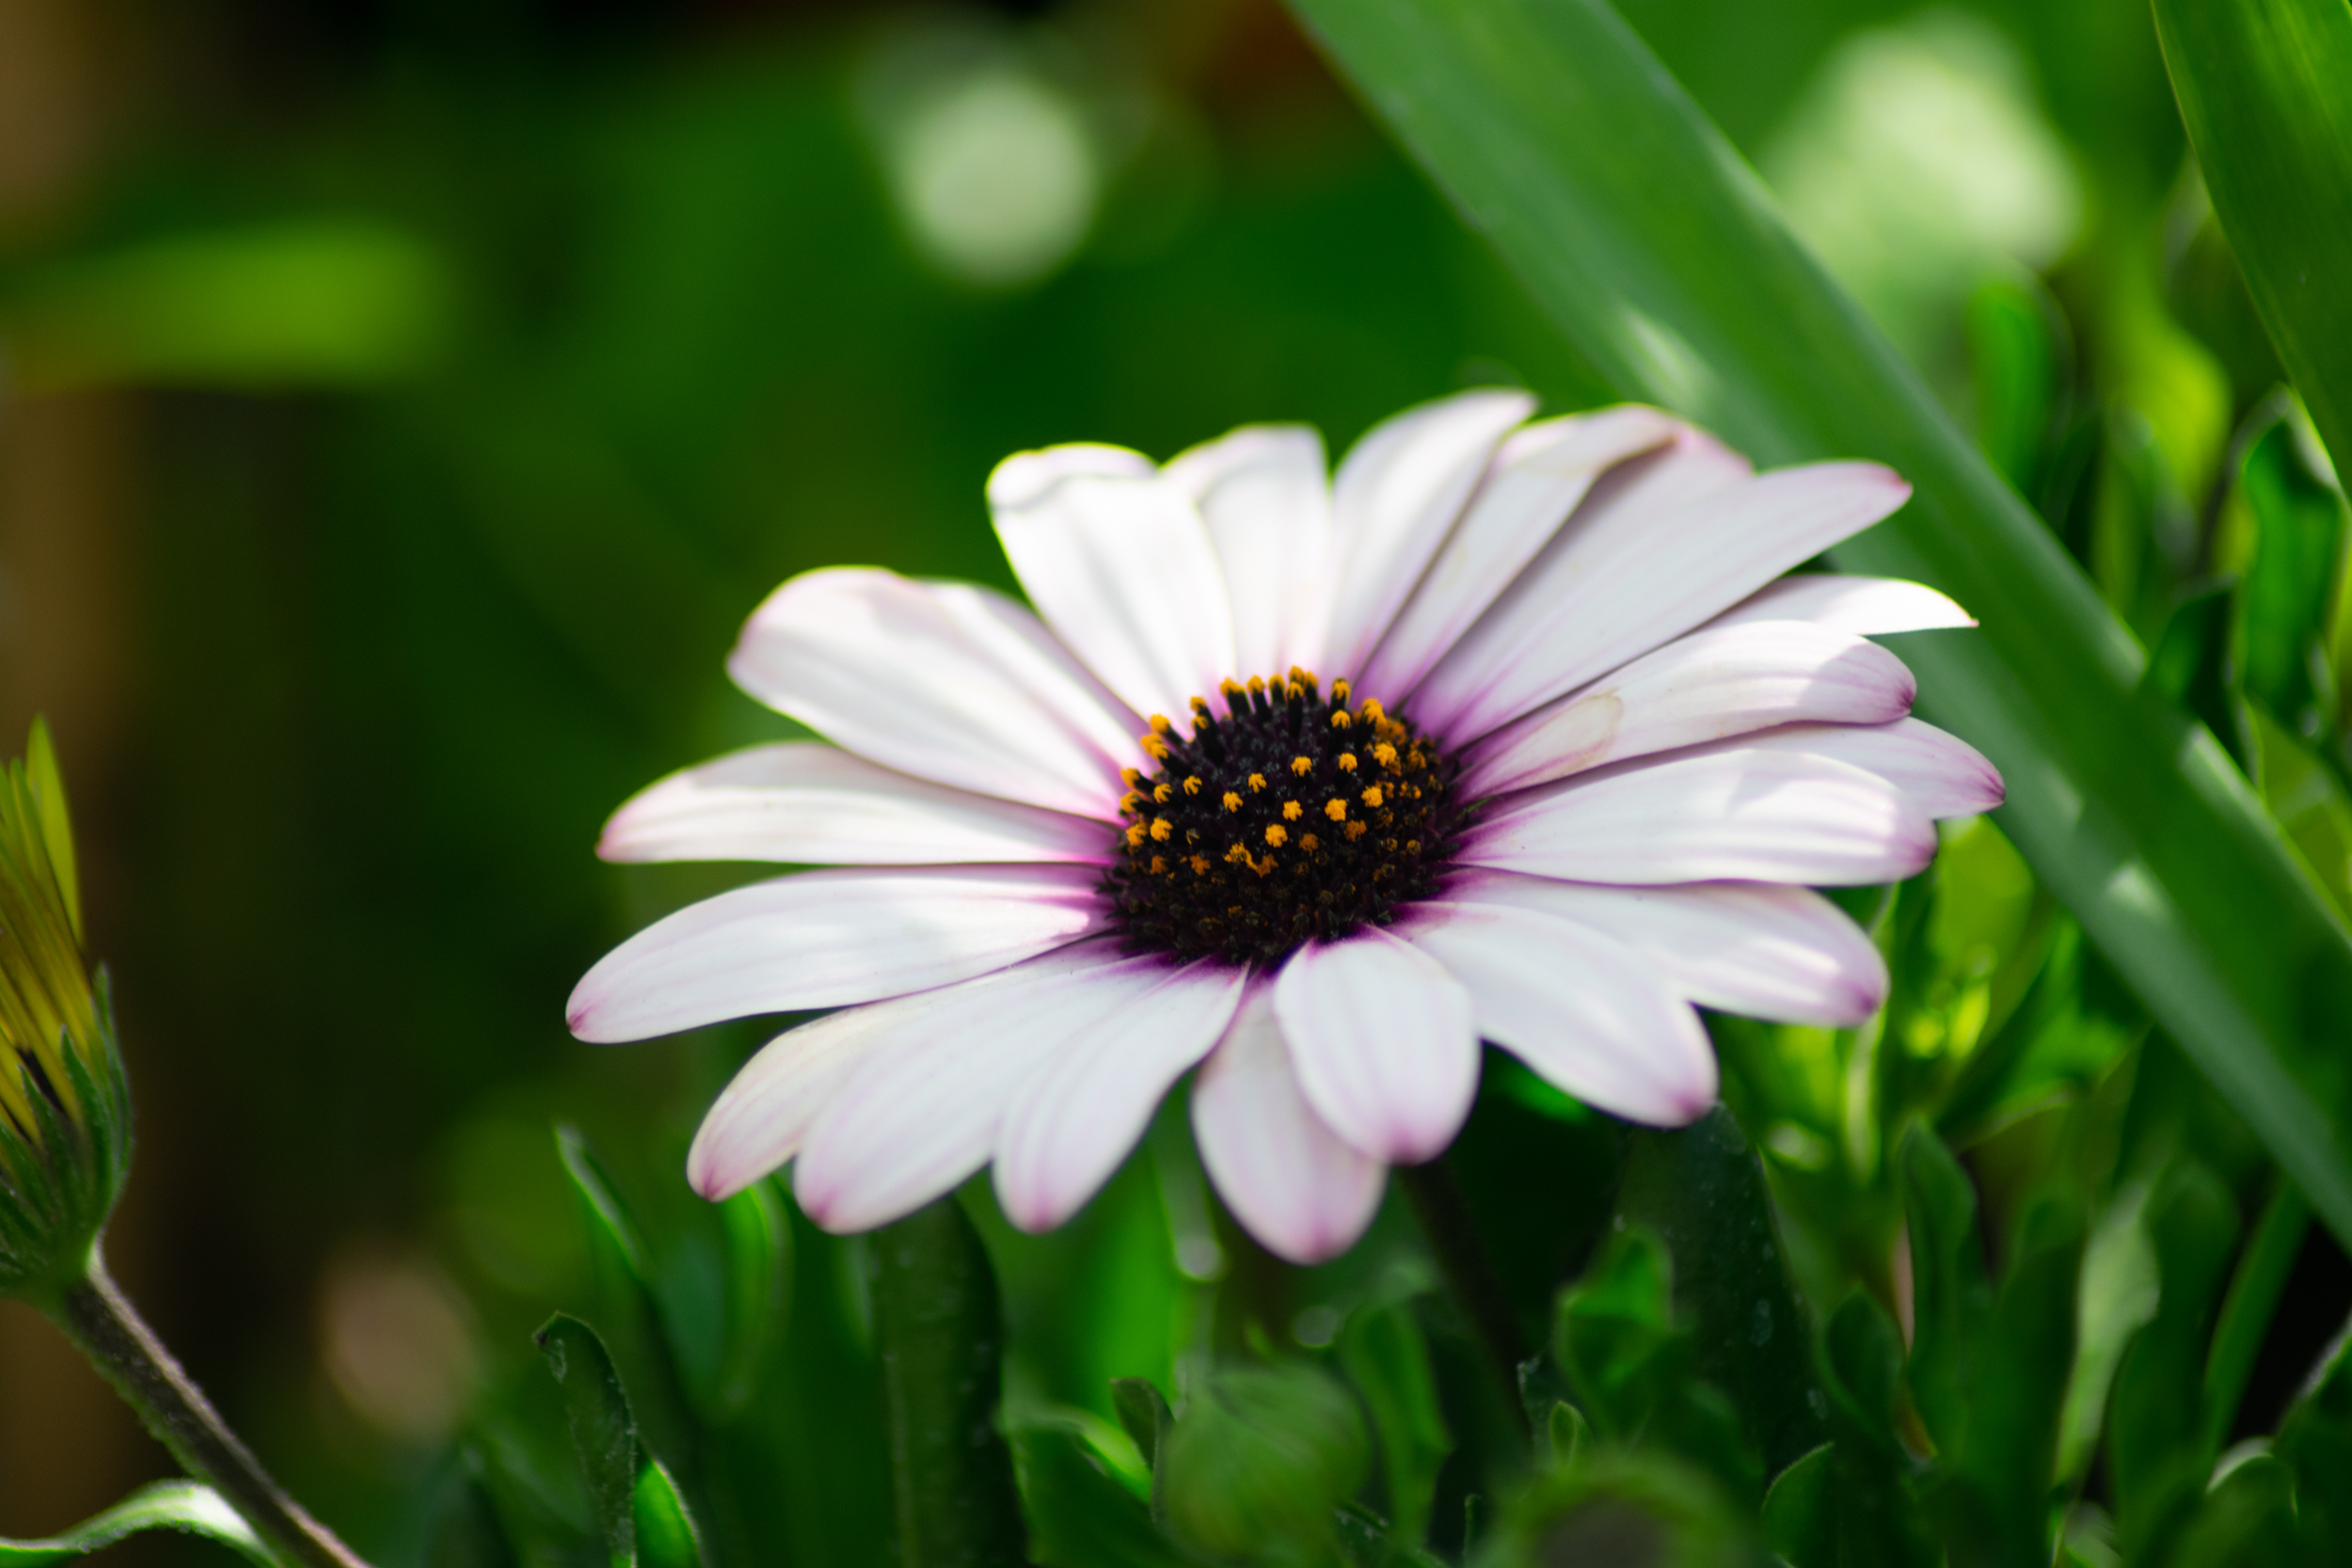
(1733, 812)
(921, 1110)
(1383, 1041)
(1073, 1123)
(808, 803)
(1760, 949)
(829, 939)
(1536, 480)
(1398, 493)
(1292, 1183)
(1625, 575)
(1942, 774)
(1122, 569)
(1579, 1007)
(1867, 607)
(1265, 496)
(1715, 682)
(758, 1120)
(941, 680)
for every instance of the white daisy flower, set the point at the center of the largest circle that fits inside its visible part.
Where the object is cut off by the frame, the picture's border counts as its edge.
(1568, 760)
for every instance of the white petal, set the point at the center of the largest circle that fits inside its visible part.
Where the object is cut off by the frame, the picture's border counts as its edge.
(1398, 493)
(1780, 953)
(941, 680)
(1734, 813)
(828, 939)
(1265, 495)
(1383, 1042)
(921, 1111)
(1581, 1009)
(1625, 575)
(808, 803)
(758, 1122)
(1942, 774)
(1085, 1110)
(1716, 682)
(1290, 1180)
(1867, 607)
(1536, 479)
(1121, 568)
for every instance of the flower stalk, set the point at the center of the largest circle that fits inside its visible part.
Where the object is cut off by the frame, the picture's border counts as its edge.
(65, 1153)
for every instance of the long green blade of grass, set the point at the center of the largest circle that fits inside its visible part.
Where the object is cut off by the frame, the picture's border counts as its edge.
(1635, 225)
(2265, 90)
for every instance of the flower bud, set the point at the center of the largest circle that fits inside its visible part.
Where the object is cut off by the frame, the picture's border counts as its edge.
(65, 1144)
(1261, 1458)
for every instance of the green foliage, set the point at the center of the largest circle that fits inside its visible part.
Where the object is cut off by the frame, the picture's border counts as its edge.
(1262, 1458)
(168, 1505)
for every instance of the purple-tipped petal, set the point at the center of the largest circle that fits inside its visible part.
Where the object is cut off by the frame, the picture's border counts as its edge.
(921, 1110)
(941, 680)
(1733, 812)
(1294, 1183)
(1070, 1127)
(1121, 568)
(1786, 954)
(1398, 493)
(1580, 1008)
(808, 803)
(758, 1122)
(1626, 574)
(1383, 1041)
(829, 939)
(1867, 607)
(1536, 480)
(1265, 495)
(1942, 773)
(1714, 683)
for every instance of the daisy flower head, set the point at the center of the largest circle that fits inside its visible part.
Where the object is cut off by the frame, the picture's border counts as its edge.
(1507, 731)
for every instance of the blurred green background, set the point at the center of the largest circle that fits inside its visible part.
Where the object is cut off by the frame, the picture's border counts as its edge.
(403, 401)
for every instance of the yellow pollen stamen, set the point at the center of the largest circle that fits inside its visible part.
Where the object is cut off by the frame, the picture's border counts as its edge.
(1292, 810)
(1302, 766)
(1257, 783)
(1192, 786)
(1130, 802)
(1159, 864)
(1200, 865)
(1160, 724)
(1256, 684)
(1340, 719)
(1303, 677)
(1413, 847)
(1136, 836)
(1385, 754)
(1336, 809)
(1161, 793)
(1372, 709)
(1373, 797)
(1236, 855)
(1356, 831)
(1200, 706)
(1161, 827)
(1232, 801)
(1347, 762)
(1154, 747)
(1131, 777)
(1276, 834)
(1309, 843)
(1339, 689)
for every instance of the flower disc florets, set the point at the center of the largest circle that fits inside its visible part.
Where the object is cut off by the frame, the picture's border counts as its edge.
(1292, 819)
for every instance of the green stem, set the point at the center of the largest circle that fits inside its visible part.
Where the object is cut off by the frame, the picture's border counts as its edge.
(935, 1320)
(104, 1326)
(1452, 1231)
(2246, 1311)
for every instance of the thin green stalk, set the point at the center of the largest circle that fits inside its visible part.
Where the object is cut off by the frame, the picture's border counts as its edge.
(104, 1326)
(936, 1321)
(2261, 1279)
(1452, 1231)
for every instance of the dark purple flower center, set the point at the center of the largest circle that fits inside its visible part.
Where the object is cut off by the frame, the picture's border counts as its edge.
(1290, 818)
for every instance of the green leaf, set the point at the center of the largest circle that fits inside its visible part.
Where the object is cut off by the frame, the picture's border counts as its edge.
(1701, 1190)
(604, 1433)
(1566, 1431)
(1143, 1413)
(2299, 544)
(1614, 1328)
(1801, 1513)
(173, 1505)
(2122, 1285)
(666, 1537)
(2316, 1442)
(759, 1238)
(1877, 1516)
(2191, 668)
(1080, 1516)
(2014, 347)
(1261, 1458)
(2261, 85)
(1385, 1356)
(1951, 1300)
(2255, 1287)
(2245, 1521)
(936, 1324)
(1636, 226)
